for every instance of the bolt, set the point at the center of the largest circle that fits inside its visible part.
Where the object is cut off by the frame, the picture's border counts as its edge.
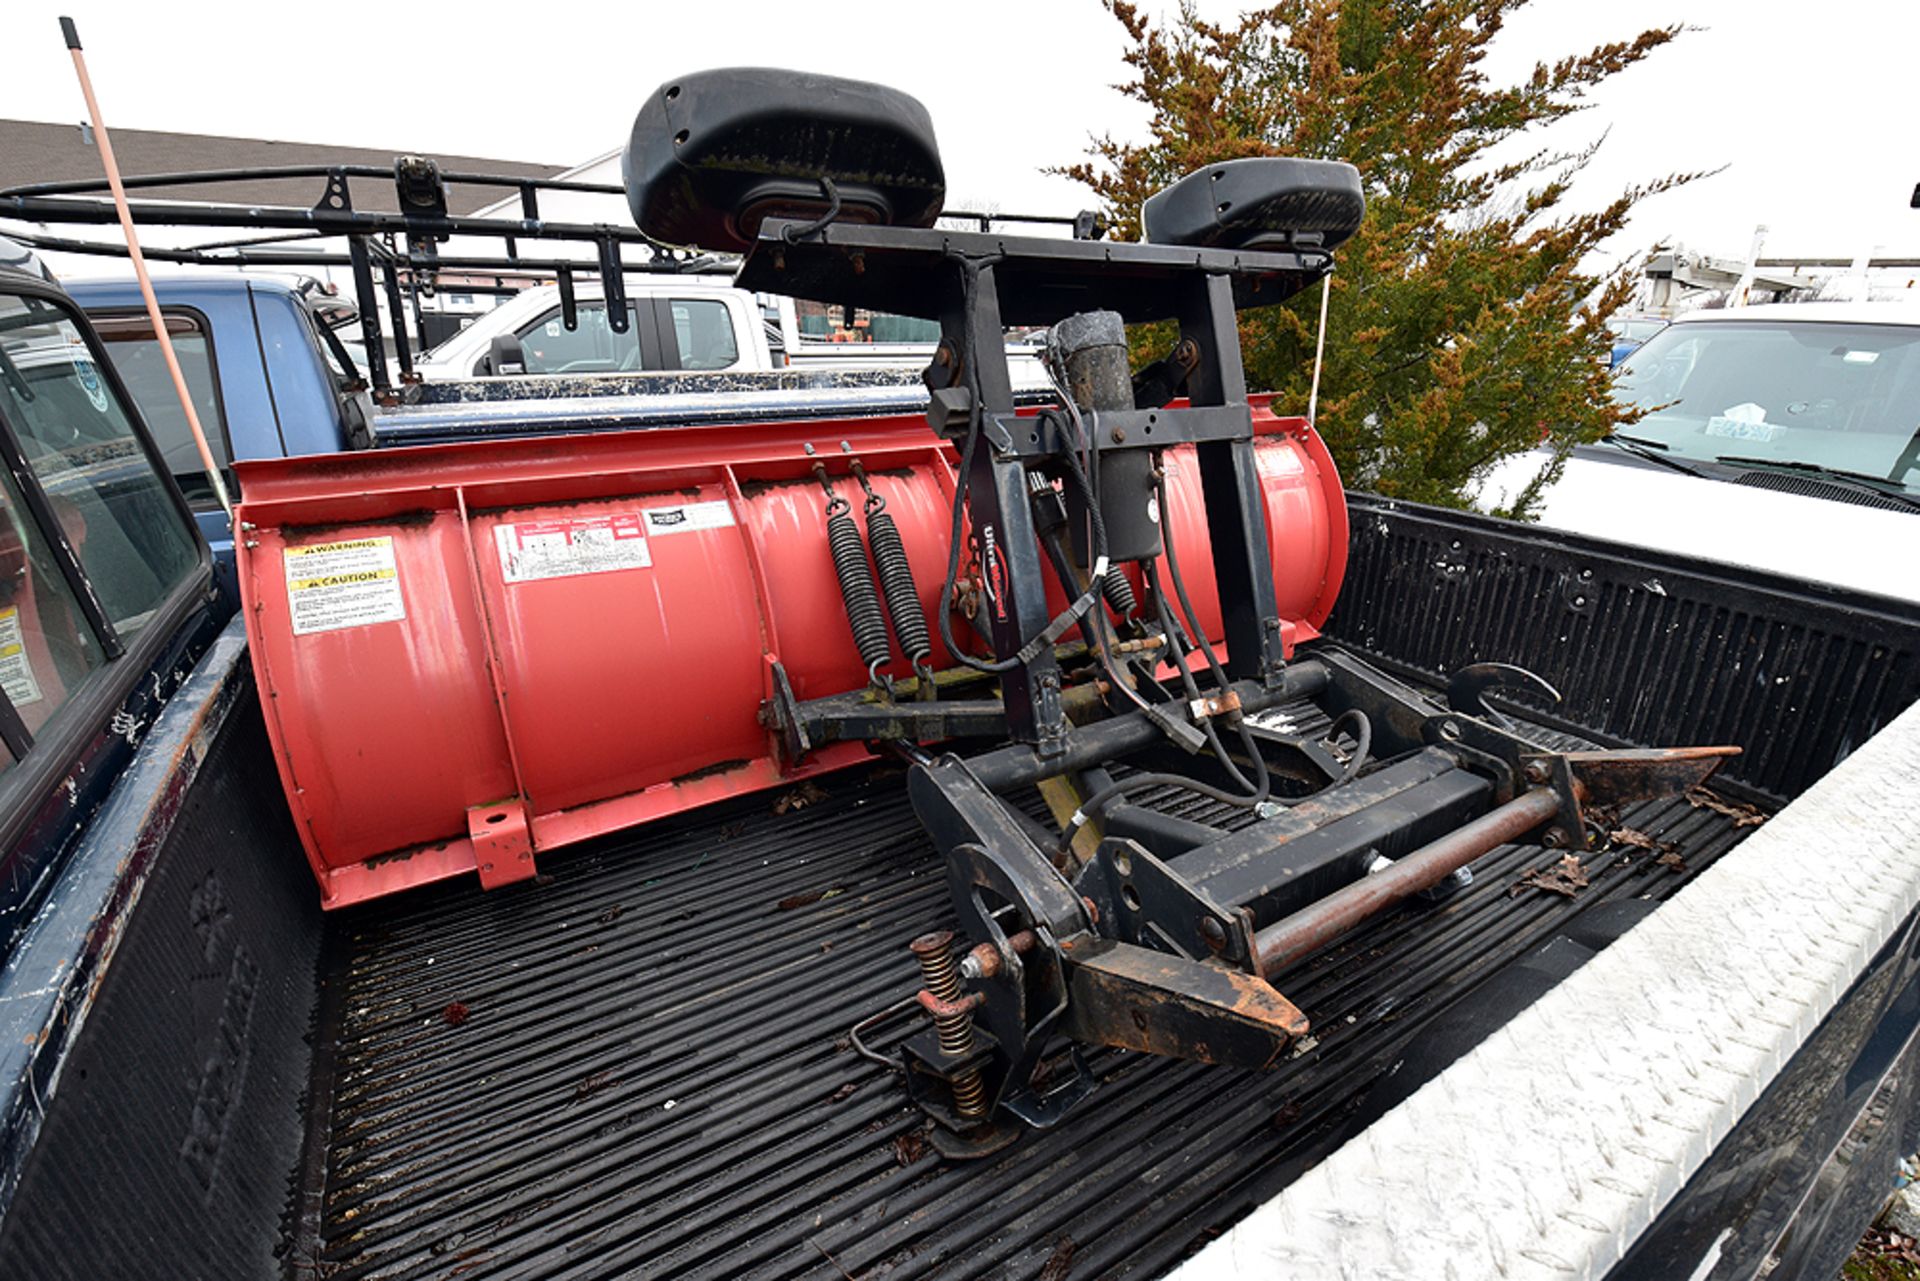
(1450, 730)
(1554, 839)
(1214, 933)
(1119, 436)
(1537, 772)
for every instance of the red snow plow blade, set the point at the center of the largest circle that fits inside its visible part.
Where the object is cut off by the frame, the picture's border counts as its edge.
(472, 654)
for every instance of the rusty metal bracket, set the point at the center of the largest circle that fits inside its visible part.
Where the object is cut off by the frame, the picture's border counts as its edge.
(1145, 1000)
(502, 842)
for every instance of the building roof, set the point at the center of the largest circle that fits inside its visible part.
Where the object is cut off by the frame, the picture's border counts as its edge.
(34, 151)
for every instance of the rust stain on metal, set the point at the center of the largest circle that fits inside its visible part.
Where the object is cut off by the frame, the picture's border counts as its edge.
(942, 1009)
(1615, 778)
(1057, 1264)
(588, 1086)
(795, 901)
(909, 1147)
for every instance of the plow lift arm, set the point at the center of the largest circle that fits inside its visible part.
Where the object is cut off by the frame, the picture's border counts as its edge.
(1130, 926)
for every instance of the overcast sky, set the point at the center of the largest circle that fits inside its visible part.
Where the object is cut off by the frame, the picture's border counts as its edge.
(1811, 109)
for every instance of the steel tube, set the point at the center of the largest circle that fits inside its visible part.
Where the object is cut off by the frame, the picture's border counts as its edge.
(1012, 767)
(1313, 927)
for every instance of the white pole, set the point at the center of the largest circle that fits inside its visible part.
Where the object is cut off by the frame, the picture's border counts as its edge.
(1319, 350)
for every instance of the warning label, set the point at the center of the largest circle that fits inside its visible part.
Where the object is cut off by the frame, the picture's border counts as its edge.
(1277, 462)
(535, 549)
(16, 672)
(691, 516)
(345, 584)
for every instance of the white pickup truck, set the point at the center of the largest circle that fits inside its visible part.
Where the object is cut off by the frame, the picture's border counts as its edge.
(693, 324)
(1783, 437)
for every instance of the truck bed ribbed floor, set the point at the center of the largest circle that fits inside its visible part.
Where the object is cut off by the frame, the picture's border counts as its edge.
(652, 1076)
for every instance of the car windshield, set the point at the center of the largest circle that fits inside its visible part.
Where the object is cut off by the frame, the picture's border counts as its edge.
(1834, 395)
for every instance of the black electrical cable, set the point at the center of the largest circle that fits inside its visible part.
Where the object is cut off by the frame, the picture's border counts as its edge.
(970, 285)
(1363, 746)
(1192, 688)
(792, 233)
(1200, 637)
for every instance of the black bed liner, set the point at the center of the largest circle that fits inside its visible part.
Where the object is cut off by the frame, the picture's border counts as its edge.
(641, 1066)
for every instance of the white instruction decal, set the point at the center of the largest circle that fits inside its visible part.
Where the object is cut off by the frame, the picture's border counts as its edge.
(536, 549)
(345, 584)
(16, 670)
(689, 516)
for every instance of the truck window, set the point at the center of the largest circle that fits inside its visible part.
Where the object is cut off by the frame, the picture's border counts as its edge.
(703, 328)
(136, 357)
(593, 348)
(132, 541)
(46, 649)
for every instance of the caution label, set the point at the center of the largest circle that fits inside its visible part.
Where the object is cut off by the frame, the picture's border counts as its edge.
(535, 549)
(345, 584)
(689, 517)
(16, 670)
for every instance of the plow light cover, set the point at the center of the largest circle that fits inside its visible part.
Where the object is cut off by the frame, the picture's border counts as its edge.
(714, 154)
(1267, 202)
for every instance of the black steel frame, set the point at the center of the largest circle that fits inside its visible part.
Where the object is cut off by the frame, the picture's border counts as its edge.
(391, 255)
(1164, 935)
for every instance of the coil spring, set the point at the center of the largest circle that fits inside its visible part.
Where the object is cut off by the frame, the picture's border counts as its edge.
(1119, 593)
(857, 591)
(942, 976)
(896, 580)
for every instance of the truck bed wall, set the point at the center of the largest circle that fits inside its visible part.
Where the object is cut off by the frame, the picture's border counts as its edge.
(169, 1147)
(1643, 647)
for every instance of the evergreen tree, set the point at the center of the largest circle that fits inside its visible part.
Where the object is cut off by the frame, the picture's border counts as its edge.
(1462, 328)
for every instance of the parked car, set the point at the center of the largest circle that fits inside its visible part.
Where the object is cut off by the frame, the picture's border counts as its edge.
(1782, 437)
(673, 323)
(691, 324)
(1629, 332)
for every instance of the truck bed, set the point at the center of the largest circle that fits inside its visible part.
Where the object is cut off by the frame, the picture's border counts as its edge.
(641, 1065)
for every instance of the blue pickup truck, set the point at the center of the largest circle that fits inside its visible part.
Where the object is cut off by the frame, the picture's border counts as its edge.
(272, 379)
(268, 375)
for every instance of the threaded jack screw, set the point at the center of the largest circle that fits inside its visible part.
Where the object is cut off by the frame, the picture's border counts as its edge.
(935, 953)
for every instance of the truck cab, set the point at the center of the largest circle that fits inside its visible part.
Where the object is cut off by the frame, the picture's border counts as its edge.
(267, 374)
(105, 586)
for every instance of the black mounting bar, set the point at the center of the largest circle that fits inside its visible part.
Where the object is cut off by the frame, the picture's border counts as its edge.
(976, 285)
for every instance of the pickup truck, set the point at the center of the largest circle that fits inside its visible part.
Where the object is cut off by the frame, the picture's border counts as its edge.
(1783, 436)
(271, 379)
(1689, 1053)
(687, 323)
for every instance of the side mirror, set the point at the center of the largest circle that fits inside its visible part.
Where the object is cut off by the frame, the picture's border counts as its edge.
(504, 356)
